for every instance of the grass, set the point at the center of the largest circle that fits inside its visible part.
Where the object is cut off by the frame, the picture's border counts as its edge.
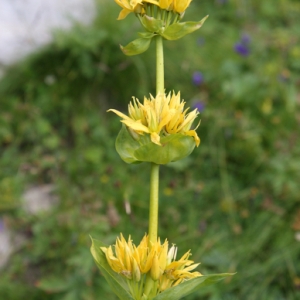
(234, 201)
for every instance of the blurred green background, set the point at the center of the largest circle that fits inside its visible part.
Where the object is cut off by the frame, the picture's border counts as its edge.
(234, 201)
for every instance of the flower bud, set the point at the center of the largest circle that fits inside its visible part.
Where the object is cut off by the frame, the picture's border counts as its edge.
(136, 273)
(155, 270)
(172, 254)
(181, 5)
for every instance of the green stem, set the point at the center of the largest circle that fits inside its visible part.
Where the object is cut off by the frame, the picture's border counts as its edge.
(160, 86)
(153, 208)
(150, 289)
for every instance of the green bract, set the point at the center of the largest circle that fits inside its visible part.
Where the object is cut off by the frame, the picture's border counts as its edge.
(155, 27)
(174, 147)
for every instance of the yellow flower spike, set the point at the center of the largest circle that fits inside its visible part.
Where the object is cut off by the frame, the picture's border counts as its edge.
(155, 259)
(159, 116)
(181, 5)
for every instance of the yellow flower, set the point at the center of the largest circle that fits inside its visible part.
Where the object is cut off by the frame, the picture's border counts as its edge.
(181, 5)
(178, 6)
(129, 6)
(177, 271)
(135, 262)
(131, 261)
(159, 116)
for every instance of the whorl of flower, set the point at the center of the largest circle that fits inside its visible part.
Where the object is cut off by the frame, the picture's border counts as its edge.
(159, 116)
(133, 262)
(137, 6)
(178, 6)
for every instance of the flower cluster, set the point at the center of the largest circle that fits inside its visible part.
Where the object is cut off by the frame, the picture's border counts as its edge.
(139, 6)
(160, 116)
(157, 260)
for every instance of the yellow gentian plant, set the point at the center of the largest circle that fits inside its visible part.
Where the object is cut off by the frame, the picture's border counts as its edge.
(158, 131)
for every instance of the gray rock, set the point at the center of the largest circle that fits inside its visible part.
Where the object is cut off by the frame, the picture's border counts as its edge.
(28, 24)
(39, 198)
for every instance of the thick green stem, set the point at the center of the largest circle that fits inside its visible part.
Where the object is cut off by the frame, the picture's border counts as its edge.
(160, 86)
(154, 179)
(153, 208)
(150, 285)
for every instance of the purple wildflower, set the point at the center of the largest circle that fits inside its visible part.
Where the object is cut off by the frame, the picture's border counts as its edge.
(199, 105)
(241, 49)
(198, 78)
(242, 46)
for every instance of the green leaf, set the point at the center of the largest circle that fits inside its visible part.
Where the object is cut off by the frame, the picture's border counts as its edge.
(187, 287)
(137, 46)
(126, 145)
(179, 30)
(173, 148)
(152, 24)
(115, 281)
(146, 35)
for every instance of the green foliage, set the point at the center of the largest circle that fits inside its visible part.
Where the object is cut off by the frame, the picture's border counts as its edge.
(190, 286)
(174, 147)
(234, 201)
(137, 46)
(177, 31)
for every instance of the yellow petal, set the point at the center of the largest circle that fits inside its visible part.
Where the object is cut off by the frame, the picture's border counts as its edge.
(135, 125)
(136, 273)
(155, 138)
(193, 133)
(123, 3)
(123, 14)
(181, 5)
(189, 119)
(152, 1)
(120, 114)
(155, 270)
(165, 4)
(146, 264)
(163, 256)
